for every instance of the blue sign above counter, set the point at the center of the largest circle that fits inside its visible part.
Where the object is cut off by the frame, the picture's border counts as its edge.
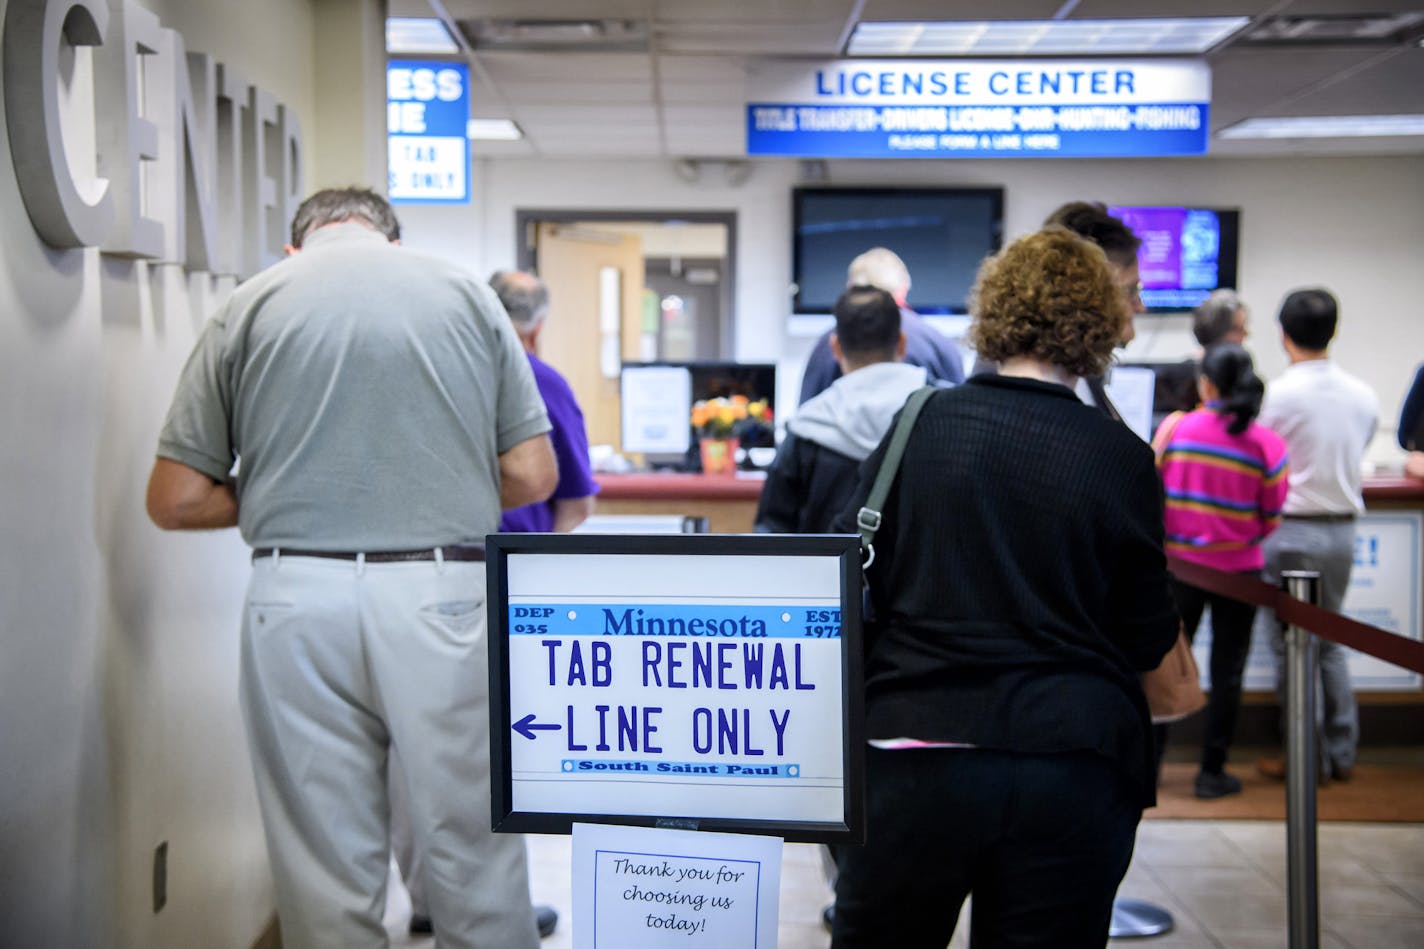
(427, 122)
(982, 109)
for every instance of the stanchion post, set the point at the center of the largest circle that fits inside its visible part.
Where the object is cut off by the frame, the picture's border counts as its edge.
(1302, 768)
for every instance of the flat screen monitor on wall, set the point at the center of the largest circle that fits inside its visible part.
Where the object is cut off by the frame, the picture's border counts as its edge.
(942, 234)
(1186, 253)
(657, 399)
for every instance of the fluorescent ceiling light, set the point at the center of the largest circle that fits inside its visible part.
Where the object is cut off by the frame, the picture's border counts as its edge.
(493, 130)
(1043, 37)
(1326, 126)
(406, 34)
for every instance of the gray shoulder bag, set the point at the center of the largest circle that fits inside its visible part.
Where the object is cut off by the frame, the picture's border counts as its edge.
(867, 519)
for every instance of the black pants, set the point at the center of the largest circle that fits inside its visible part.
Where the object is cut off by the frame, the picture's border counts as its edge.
(1231, 622)
(1042, 842)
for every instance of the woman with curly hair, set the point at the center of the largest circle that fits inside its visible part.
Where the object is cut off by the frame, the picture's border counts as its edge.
(1020, 588)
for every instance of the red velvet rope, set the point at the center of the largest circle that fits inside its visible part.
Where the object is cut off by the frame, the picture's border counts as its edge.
(1382, 644)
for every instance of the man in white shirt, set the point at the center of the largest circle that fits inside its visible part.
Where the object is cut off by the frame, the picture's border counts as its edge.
(1327, 418)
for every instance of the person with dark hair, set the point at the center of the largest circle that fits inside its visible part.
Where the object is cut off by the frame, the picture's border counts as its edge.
(1225, 482)
(1020, 588)
(335, 205)
(1220, 318)
(1410, 430)
(383, 412)
(924, 345)
(1091, 220)
(1327, 418)
(814, 471)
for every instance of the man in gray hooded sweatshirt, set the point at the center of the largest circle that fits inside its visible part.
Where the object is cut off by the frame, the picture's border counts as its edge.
(831, 434)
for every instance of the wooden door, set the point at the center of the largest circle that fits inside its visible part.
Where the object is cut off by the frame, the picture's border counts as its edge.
(572, 259)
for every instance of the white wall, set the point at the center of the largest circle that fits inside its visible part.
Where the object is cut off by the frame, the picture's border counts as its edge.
(119, 725)
(1354, 225)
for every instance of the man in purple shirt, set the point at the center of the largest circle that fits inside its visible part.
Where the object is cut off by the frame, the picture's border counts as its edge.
(526, 299)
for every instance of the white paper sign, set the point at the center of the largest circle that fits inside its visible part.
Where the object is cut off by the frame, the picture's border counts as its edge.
(657, 409)
(1130, 389)
(641, 888)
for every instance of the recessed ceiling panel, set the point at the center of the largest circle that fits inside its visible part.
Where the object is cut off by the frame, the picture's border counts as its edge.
(571, 67)
(1247, 81)
(1395, 85)
(583, 93)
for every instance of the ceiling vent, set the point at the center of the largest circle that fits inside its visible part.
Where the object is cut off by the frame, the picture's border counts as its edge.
(1361, 29)
(546, 36)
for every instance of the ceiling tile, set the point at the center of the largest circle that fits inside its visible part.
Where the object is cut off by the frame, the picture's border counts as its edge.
(1247, 81)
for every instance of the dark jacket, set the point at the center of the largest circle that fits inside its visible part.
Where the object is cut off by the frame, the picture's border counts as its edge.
(1020, 579)
(807, 487)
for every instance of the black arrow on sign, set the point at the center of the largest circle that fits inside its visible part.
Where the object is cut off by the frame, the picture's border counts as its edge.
(526, 727)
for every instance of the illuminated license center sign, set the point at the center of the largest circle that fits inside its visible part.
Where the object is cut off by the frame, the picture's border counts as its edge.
(982, 109)
(427, 121)
(664, 685)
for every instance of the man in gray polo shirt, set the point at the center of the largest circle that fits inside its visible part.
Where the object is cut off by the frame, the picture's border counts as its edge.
(384, 413)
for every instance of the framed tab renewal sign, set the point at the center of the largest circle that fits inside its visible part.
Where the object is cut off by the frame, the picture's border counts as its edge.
(698, 681)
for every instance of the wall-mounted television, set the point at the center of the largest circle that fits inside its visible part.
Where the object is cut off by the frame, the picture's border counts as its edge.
(1186, 253)
(657, 400)
(942, 234)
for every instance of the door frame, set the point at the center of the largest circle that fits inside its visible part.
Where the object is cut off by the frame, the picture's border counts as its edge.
(526, 221)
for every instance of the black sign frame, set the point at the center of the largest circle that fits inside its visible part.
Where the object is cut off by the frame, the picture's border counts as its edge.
(845, 547)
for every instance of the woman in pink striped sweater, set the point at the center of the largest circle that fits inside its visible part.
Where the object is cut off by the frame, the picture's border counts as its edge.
(1225, 481)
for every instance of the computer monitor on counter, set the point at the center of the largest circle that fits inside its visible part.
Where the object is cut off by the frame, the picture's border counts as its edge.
(657, 400)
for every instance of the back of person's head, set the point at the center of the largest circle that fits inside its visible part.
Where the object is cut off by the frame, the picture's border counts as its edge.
(1215, 317)
(867, 325)
(1091, 220)
(1308, 318)
(525, 297)
(1051, 296)
(1229, 368)
(879, 267)
(337, 205)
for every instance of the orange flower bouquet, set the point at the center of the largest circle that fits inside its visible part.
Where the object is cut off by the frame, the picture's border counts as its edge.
(720, 423)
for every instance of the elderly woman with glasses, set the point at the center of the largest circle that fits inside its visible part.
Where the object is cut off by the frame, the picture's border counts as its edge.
(1020, 587)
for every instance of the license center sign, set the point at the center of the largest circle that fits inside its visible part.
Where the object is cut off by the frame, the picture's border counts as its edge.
(981, 108)
(636, 689)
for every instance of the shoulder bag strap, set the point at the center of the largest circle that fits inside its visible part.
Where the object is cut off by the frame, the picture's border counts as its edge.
(867, 519)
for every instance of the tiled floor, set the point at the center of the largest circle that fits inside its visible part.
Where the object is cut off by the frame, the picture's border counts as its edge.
(1223, 881)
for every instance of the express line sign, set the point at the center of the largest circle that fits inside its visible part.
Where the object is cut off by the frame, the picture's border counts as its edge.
(982, 109)
(630, 689)
(427, 125)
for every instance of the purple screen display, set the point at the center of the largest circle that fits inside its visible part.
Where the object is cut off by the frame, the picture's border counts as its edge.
(1179, 260)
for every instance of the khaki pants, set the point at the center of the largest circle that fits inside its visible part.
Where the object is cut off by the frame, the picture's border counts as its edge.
(342, 660)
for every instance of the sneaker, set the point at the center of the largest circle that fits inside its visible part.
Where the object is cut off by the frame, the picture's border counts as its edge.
(1342, 772)
(420, 925)
(548, 919)
(1214, 784)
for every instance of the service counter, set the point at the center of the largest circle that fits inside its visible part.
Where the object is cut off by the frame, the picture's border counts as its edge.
(728, 502)
(1393, 491)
